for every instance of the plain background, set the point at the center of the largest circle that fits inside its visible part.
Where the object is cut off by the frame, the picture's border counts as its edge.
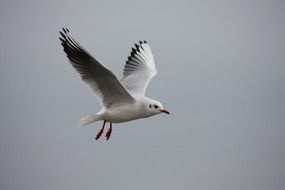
(221, 71)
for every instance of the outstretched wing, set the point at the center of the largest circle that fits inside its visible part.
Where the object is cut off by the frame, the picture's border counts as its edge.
(101, 80)
(139, 69)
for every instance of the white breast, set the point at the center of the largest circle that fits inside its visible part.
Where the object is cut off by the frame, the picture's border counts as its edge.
(125, 113)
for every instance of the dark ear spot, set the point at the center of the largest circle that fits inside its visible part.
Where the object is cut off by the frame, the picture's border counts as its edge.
(149, 106)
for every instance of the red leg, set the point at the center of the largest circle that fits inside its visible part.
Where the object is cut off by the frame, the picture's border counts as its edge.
(101, 131)
(108, 134)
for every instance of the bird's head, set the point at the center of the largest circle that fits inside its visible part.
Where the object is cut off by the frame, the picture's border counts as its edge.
(155, 107)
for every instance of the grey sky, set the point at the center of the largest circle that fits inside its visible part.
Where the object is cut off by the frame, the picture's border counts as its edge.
(221, 68)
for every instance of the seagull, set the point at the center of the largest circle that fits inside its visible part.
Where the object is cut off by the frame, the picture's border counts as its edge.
(122, 100)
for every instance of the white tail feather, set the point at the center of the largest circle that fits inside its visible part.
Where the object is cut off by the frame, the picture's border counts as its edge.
(88, 119)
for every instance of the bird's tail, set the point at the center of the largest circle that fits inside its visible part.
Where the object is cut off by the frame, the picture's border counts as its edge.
(88, 119)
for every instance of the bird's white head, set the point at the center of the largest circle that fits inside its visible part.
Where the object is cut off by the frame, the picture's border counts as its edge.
(155, 107)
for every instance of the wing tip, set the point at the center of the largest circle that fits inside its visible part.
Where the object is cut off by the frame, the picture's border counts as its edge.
(143, 42)
(64, 33)
(65, 30)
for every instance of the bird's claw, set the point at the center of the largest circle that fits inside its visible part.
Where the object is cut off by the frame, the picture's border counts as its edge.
(108, 134)
(99, 134)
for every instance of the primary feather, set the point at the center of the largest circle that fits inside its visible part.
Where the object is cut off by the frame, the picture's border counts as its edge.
(139, 69)
(101, 80)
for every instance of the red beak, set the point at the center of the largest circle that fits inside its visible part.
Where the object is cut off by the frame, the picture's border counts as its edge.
(164, 111)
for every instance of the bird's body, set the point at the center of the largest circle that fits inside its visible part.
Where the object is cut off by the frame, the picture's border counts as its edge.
(125, 112)
(122, 100)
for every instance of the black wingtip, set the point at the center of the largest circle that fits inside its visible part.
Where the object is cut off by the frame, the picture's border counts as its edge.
(137, 47)
(61, 39)
(133, 53)
(63, 35)
(65, 30)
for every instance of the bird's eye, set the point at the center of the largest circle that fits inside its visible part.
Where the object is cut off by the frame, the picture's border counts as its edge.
(155, 106)
(149, 106)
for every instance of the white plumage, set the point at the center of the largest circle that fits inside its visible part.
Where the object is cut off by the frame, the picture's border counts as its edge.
(121, 100)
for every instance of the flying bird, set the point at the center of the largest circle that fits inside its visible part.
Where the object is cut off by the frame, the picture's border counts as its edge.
(122, 100)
